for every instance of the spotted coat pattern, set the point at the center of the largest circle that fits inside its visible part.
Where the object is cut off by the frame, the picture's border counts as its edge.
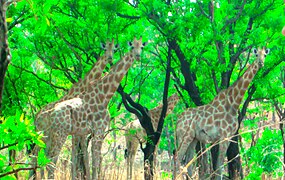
(216, 121)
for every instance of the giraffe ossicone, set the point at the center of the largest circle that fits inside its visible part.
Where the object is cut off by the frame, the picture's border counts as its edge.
(215, 122)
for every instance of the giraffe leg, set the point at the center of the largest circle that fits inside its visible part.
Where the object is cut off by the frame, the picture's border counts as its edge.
(84, 145)
(97, 141)
(183, 148)
(220, 161)
(128, 157)
(79, 170)
(73, 157)
(56, 141)
(133, 151)
(189, 156)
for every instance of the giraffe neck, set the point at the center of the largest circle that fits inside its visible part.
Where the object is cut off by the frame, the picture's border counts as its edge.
(156, 112)
(235, 93)
(94, 74)
(106, 87)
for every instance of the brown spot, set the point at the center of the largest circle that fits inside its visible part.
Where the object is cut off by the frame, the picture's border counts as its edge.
(109, 96)
(96, 76)
(235, 92)
(217, 123)
(228, 117)
(110, 79)
(120, 66)
(216, 103)
(230, 91)
(224, 124)
(90, 117)
(211, 109)
(231, 99)
(126, 68)
(220, 109)
(102, 65)
(210, 120)
(101, 97)
(222, 96)
(241, 93)
(118, 78)
(250, 76)
(239, 84)
(246, 75)
(93, 108)
(207, 114)
(254, 70)
(101, 108)
(235, 106)
(106, 88)
(218, 116)
(92, 101)
(245, 84)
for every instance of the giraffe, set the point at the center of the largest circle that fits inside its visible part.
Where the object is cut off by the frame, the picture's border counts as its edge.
(88, 112)
(77, 88)
(216, 121)
(133, 140)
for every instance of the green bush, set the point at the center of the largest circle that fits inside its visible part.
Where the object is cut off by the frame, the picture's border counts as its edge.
(17, 133)
(266, 155)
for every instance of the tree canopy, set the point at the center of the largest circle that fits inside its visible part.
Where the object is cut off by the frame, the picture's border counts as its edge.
(55, 43)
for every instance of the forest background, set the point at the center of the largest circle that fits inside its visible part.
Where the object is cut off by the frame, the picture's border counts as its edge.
(207, 45)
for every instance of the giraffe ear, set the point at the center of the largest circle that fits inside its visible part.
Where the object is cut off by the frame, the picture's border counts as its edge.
(103, 46)
(130, 43)
(267, 51)
(254, 50)
(144, 44)
(117, 46)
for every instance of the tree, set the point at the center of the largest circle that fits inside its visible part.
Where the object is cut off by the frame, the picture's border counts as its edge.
(54, 43)
(4, 48)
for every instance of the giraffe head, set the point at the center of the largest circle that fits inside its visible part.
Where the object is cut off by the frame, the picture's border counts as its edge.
(137, 46)
(109, 48)
(260, 54)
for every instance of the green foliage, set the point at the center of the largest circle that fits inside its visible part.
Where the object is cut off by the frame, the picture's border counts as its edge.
(266, 155)
(17, 134)
(55, 43)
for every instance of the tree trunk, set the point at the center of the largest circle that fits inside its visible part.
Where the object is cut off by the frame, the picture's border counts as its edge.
(5, 55)
(148, 161)
(234, 165)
